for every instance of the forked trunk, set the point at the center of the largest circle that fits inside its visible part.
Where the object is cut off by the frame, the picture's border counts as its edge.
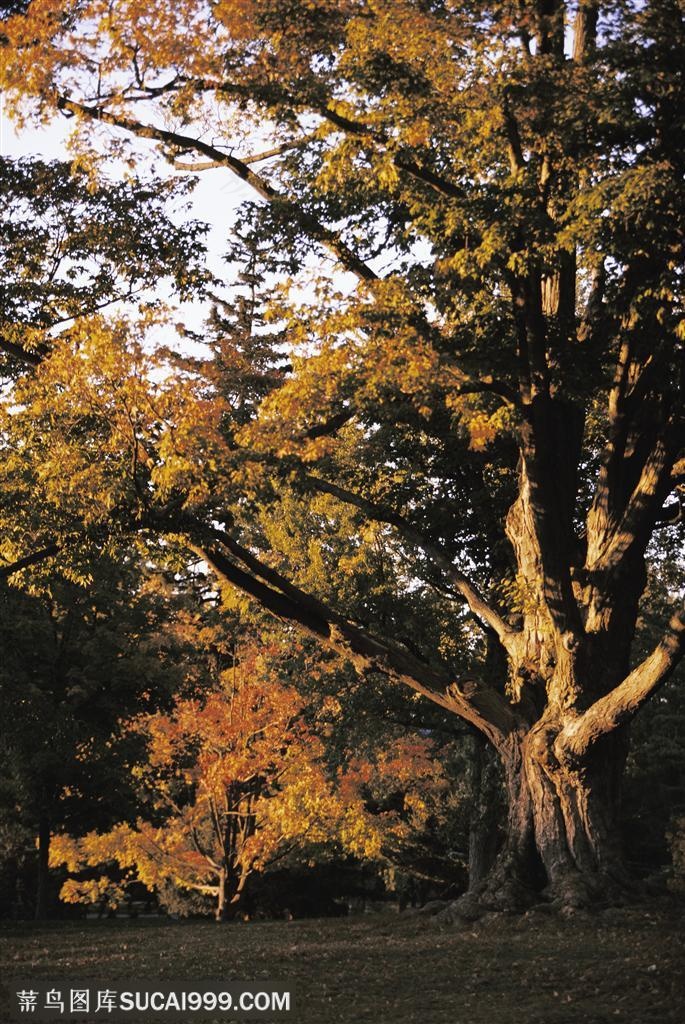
(562, 834)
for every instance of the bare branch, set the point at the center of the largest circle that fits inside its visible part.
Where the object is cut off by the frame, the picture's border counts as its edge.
(254, 158)
(350, 125)
(285, 147)
(201, 165)
(206, 890)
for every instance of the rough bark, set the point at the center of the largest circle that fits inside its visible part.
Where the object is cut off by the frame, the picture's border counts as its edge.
(511, 882)
(560, 841)
(563, 763)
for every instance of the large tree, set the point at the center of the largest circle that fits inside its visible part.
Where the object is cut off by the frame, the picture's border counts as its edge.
(497, 379)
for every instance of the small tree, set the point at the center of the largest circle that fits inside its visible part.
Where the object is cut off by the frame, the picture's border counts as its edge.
(233, 781)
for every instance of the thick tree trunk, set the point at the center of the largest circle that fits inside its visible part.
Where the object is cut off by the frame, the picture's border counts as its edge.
(574, 803)
(561, 833)
(561, 843)
(511, 882)
(43, 878)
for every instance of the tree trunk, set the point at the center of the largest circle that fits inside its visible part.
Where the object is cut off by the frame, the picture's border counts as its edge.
(561, 843)
(231, 887)
(43, 880)
(222, 901)
(573, 832)
(512, 880)
(561, 832)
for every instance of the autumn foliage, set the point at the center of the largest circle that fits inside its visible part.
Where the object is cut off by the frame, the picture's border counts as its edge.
(232, 781)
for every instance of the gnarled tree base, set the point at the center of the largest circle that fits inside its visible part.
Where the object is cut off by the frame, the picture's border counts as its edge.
(505, 891)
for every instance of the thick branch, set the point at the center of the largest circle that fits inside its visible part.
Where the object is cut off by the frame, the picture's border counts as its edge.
(550, 450)
(33, 357)
(28, 560)
(640, 514)
(585, 30)
(514, 147)
(329, 426)
(625, 700)
(206, 890)
(476, 703)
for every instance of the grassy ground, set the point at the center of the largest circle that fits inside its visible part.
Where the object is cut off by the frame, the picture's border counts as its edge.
(620, 966)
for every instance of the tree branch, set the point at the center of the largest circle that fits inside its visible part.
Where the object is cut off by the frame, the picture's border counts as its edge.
(206, 890)
(626, 699)
(319, 232)
(424, 174)
(420, 172)
(28, 560)
(466, 386)
(585, 30)
(468, 590)
(475, 702)
(33, 357)
(641, 510)
(514, 147)
(253, 158)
